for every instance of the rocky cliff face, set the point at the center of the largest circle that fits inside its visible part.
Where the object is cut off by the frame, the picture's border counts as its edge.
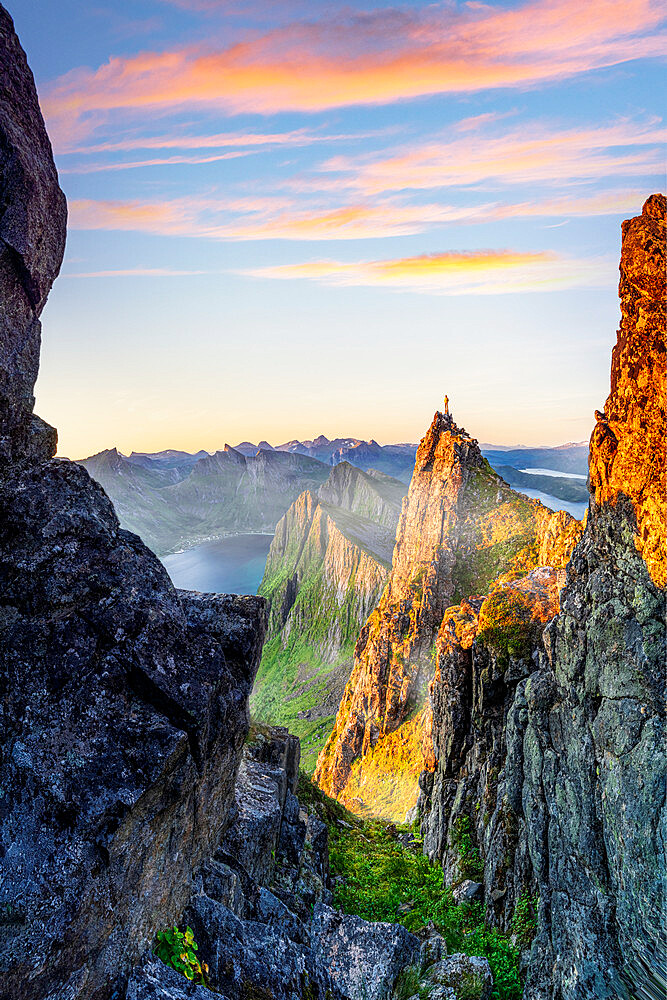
(550, 747)
(461, 527)
(261, 909)
(33, 218)
(124, 702)
(327, 566)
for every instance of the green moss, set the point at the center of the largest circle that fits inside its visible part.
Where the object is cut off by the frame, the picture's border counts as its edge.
(470, 863)
(383, 880)
(524, 919)
(506, 624)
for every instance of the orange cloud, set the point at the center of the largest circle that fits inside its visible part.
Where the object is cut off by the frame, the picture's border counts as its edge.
(278, 218)
(366, 58)
(261, 218)
(478, 272)
(131, 216)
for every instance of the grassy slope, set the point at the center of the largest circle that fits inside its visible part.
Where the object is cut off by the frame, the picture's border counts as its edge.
(378, 878)
(501, 536)
(302, 675)
(295, 679)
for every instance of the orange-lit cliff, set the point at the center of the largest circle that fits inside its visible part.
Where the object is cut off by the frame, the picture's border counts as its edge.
(462, 527)
(549, 747)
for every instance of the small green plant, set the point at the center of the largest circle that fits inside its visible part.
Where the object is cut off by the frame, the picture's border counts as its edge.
(524, 919)
(470, 863)
(470, 987)
(177, 949)
(409, 985)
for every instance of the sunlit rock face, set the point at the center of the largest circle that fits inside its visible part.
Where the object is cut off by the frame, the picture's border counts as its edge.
(549, 746)
(627, 453)
(461, 528)
(124, 702)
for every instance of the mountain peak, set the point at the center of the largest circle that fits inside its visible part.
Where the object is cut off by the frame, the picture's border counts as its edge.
(632, 424)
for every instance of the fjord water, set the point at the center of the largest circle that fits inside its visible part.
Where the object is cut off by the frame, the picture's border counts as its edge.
(232, 565)
(575, 508)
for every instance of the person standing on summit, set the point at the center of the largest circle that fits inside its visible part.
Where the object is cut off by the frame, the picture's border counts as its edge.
(446, 403)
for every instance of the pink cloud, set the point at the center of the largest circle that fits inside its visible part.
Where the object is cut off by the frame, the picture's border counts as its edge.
(530, 154)
(367, 58)
(279, 218)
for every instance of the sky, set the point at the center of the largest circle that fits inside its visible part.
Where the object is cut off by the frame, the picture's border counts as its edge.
(292, 218)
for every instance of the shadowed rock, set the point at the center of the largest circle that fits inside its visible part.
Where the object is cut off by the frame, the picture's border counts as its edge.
(124, 701)
(33, 217)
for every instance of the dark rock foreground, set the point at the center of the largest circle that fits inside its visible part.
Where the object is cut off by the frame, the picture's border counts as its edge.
(261, 908)
(124, 701)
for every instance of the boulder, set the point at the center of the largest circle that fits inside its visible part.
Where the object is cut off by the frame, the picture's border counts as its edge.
(433, 947)
(364, 959)
(467, 976)
(251, 957)
(468, 891)
(153, 980)
(265, 804)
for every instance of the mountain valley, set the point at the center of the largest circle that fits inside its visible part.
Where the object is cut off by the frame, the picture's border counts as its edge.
(471, 804)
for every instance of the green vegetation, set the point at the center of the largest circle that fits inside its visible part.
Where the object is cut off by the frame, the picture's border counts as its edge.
(502, 535)
(506, 623)
(409, 984)
(177, 949)
(380, 879)
(524, 920)
(470, 862)
(294, 688)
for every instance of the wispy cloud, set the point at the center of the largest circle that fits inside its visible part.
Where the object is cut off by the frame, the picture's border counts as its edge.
(136, 272)
(178, 139)
(362, 57)
(280, 218)
(478, 272)
(533, 153)
(163, 161)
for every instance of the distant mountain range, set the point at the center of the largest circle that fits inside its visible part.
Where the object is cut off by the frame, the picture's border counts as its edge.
(174, 499)
(398, 460)
(395, 460)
